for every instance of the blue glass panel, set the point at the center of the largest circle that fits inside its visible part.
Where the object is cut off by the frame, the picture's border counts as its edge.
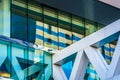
(23, 28)
(67, 68)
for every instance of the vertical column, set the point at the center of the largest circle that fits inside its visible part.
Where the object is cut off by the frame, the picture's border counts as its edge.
(79, 68)
(5, 17)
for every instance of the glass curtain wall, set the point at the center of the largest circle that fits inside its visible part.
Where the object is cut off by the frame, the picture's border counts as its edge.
(37, 23)
(22, 62)
(5, 17)
(19, 59)
(22, 25)
(53, 28)
(59, 29)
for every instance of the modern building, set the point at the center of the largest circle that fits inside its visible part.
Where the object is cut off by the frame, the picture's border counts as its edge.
(59, 40)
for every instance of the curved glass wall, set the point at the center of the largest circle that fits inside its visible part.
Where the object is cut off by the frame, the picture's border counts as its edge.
(20, 61)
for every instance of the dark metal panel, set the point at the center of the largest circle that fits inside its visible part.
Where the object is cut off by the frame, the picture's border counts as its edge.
(90, 9)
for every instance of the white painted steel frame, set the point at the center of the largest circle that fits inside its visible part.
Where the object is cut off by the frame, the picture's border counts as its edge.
(87, 50)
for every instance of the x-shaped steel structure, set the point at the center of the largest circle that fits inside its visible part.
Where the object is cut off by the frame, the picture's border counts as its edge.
(86, 50)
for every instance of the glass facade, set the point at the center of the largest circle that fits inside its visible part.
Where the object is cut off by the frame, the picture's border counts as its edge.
(45, 26)
(54, 28)
(22, 62)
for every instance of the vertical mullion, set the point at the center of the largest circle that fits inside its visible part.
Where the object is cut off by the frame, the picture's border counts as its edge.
(27, 20)
(27, 14)
(58, 28)
(10, 18)
(84, 27)
(71, 29)
(43, 22)
(43, 41)
(10, 46)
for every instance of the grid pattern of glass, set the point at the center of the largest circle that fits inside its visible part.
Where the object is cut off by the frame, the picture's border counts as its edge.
(51, 28)
(21, 62)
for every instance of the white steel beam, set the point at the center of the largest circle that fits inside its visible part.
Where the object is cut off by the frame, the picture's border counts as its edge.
(114, 78)
(90, 45)
(114, 68)
(92, 39)
(58, 73)
(79, 67)
(97, 60)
